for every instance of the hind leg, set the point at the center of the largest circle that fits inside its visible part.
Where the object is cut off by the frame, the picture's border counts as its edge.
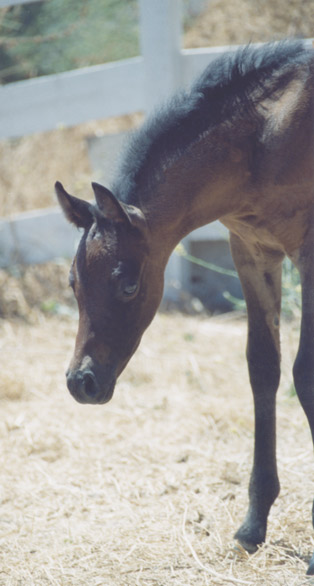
(303, 370)
(260, 274)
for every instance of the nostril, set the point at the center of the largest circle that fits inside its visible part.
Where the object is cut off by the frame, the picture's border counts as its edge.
(89, 384)
(82, 384)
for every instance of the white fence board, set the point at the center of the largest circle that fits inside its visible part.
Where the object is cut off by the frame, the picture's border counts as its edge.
(161, 33)
(4, 3)
(36, 237)
(72, 97)
(43, 235)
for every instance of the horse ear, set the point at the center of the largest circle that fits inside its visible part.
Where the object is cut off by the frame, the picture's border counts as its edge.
(77, 211)
(117, 211)
(110, 207)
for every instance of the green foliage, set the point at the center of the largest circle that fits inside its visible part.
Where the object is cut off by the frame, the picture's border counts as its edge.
(57, 35)
(53, 307)
(180, 250)
(291, 290)
(237, 304)
(291, 287)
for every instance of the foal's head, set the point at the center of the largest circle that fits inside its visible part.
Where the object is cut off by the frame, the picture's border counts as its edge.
(117, 287)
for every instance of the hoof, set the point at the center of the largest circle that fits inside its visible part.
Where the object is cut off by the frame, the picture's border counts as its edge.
(249, 547)
(310, 570)
(250, 537)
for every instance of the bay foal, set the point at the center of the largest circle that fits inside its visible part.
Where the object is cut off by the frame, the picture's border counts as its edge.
(239, 147)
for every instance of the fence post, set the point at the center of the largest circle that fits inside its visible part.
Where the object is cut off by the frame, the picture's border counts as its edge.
(161, 48)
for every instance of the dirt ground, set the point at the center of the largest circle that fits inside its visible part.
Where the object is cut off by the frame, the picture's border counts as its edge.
(149, 489)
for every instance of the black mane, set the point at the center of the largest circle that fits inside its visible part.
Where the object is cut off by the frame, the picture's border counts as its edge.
(229, 88)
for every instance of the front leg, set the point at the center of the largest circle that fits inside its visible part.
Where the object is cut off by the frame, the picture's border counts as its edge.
(264, 370)
(260, 275)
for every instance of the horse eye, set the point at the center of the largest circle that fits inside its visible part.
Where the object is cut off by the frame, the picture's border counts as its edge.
(126, 281)
(130, 289)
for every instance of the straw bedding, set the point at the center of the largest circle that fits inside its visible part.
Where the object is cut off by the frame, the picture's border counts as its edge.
(149, 489)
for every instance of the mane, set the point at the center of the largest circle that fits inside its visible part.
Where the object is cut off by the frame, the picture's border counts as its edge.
(230, 88)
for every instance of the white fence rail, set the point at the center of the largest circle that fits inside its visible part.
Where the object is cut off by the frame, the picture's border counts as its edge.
(4, 3)
(36, 237)
(70, 98)
(111, 89)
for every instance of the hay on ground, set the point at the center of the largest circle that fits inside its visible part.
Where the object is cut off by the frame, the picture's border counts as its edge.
(150, 488)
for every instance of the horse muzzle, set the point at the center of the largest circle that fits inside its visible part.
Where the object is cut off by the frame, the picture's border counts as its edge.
(86, 387)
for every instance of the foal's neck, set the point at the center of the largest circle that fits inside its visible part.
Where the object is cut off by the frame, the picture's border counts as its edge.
(202, 186)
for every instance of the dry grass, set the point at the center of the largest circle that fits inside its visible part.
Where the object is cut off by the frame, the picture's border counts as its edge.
(30, 166)
(251, 21)
(149, 489)
(27, 291)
